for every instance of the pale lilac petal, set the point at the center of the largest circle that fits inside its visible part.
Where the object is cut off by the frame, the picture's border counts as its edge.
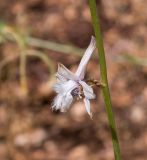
(57, 102)
(68, 86)
(62, 102)
(64, 87)
(82, 66)
(58, 87)
(60, 78)
(88, 91)
(66, 103)
(87, 106)
(64, 74)
(64, 98)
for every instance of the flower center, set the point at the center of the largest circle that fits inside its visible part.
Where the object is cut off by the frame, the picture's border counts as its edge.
(78, 92)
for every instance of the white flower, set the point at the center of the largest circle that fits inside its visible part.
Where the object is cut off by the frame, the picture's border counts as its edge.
(72, 85)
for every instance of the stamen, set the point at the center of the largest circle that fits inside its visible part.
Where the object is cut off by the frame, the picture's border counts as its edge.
(78, 93)
(94, 82)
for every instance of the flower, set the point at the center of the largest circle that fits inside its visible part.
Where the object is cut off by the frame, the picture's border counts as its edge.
(72, 85)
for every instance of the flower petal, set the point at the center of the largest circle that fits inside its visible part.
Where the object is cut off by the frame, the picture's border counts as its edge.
(57, 102)
(60, 78)
(64, 98)
(88, 91)
(66, 103)
(82, 66)
(64, 87)
(62, 102)
(58, 87)
(64, 74)
(87, 105)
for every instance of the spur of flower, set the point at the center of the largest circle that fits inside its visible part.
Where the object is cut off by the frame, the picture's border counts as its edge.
(72, 86)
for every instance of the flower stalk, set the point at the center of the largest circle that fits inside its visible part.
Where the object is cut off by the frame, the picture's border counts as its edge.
(104, 80)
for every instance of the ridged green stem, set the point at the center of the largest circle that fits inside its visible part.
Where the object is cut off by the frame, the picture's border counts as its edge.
(103, 70)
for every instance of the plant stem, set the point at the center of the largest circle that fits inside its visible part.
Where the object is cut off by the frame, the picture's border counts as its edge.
(22, 45)
(44, 58)
(103, 70)
(63, 48)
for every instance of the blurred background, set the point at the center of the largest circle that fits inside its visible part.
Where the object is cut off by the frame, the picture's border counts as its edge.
(37, 34)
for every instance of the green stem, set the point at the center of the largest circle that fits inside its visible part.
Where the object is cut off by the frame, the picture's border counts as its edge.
(44, 58)
(21, 41)
(103, 70)
(22, 46)
(63, 48)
